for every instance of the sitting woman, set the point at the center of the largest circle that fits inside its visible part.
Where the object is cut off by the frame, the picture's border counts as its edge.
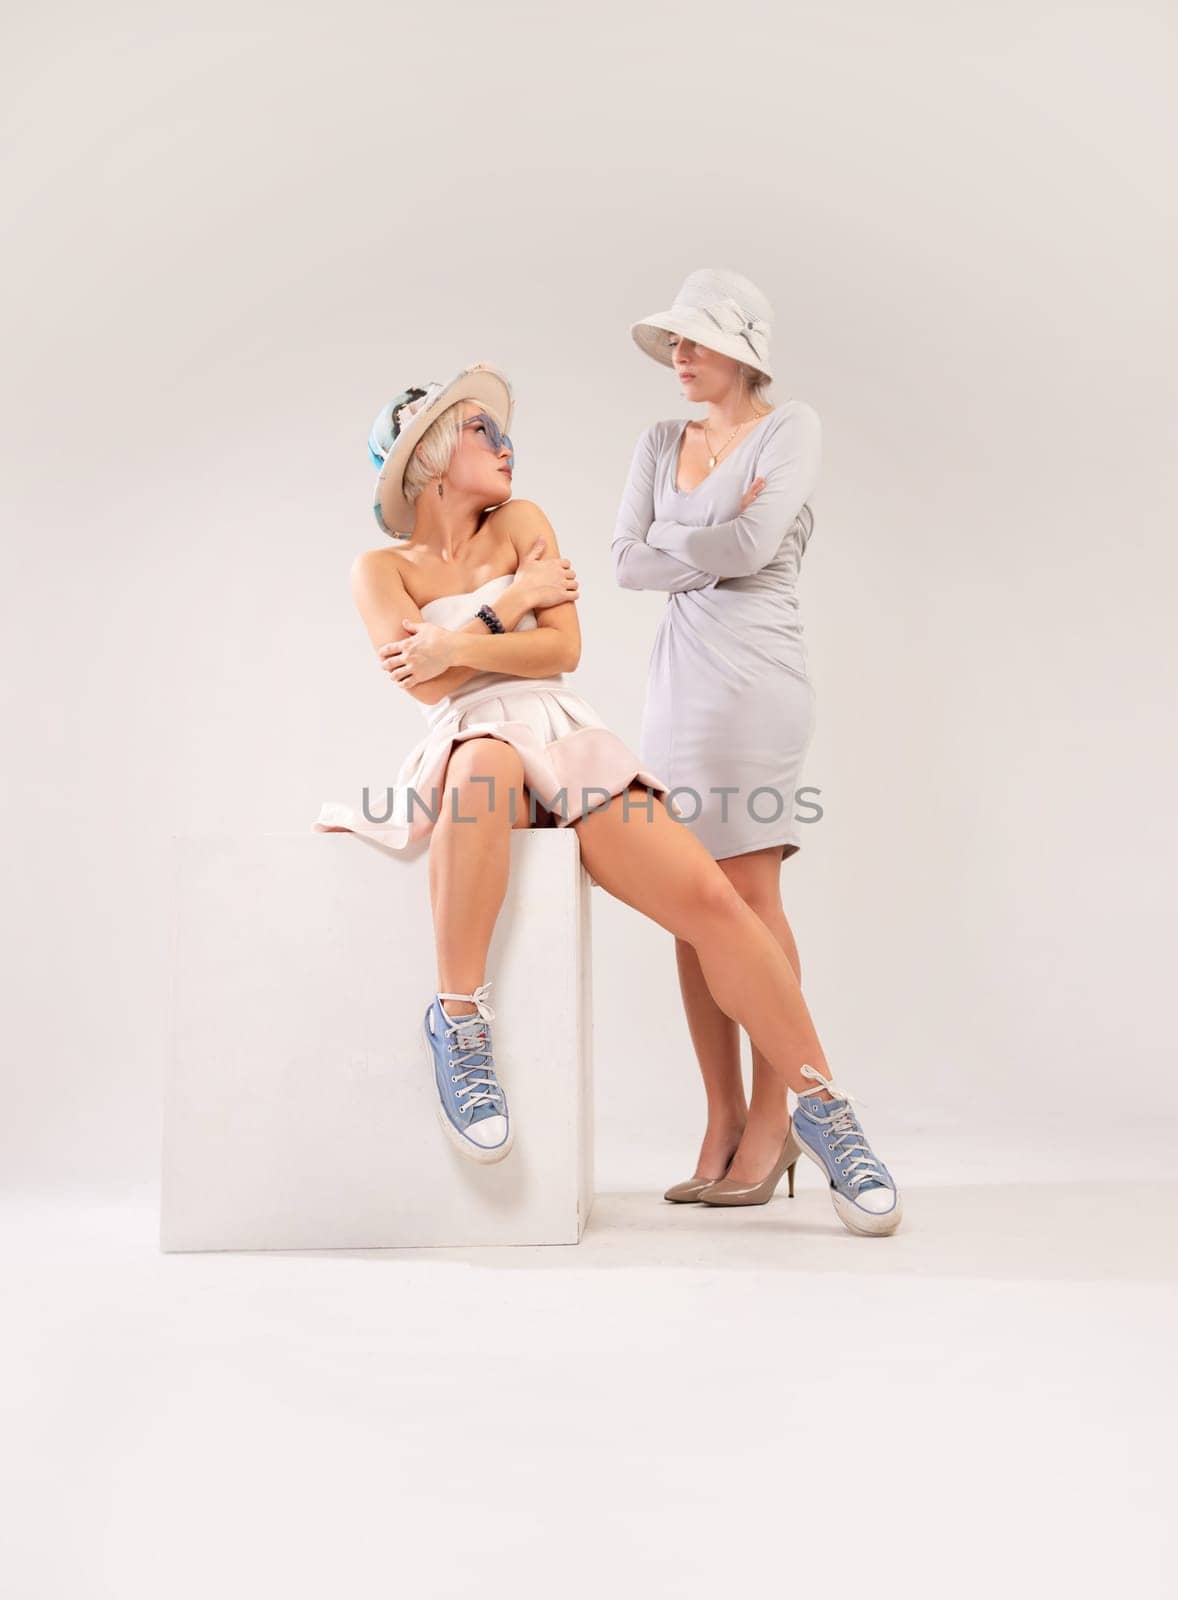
(472, 611)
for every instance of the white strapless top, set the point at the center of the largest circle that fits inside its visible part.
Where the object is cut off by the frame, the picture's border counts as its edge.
(461, 601)
(453, 611)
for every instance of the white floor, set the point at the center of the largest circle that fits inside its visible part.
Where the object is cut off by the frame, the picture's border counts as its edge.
(689, 1403)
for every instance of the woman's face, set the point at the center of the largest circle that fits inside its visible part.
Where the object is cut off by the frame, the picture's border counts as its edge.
(703, 374)
(476, 469)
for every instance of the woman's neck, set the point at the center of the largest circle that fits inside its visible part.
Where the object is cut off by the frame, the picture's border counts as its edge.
(446, 532)
(723, 418)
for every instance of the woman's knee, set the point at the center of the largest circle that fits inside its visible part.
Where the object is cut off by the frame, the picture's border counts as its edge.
(708, 900)
(483, 754)
(489, 772)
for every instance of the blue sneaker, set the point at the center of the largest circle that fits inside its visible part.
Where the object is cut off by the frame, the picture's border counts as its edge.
(472, 1107)
(861, 1187)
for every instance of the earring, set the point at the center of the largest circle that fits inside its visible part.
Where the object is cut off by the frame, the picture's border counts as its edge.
(439, 488)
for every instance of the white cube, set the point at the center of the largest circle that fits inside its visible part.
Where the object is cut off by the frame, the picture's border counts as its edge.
(299, 1107)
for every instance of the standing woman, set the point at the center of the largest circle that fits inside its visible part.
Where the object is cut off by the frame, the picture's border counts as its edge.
(715, 514)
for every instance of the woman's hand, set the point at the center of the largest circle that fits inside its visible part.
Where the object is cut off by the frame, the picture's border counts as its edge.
(751, 493)
(426, 653)
(546, 581)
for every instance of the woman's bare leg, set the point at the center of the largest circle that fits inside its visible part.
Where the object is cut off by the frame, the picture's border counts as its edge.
(469, 860)
(655, 864)
(756, 877)
(715, 1037)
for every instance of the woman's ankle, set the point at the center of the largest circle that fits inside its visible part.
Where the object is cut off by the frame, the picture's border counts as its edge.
(726, 1124)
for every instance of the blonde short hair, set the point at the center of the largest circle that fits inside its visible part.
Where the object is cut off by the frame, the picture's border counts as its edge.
(434, 451)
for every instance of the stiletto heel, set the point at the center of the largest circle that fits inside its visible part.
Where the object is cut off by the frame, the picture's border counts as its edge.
(730, 1192)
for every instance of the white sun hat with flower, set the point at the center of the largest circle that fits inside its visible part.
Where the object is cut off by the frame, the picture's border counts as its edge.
(722, 310)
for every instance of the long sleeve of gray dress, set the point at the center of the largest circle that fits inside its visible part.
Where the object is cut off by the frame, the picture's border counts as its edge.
(636, 565)
(745, 543)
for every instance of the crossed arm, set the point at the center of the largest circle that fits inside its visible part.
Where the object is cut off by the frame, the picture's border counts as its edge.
(552, 646)
(642, 545)
(636, 564)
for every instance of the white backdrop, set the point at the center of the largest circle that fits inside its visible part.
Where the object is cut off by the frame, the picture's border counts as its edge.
(230, 234)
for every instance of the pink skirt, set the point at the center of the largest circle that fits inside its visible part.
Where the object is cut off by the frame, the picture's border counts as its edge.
(572, 762)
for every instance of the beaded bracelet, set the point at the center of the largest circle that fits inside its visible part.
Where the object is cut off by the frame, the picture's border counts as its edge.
(486, 615)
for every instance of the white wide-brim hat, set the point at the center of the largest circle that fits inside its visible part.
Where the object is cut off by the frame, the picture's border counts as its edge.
(401, 423)
(720, 309)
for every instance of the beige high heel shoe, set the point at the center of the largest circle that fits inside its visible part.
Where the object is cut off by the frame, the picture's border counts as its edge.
(691, 1188)
(731, 1192)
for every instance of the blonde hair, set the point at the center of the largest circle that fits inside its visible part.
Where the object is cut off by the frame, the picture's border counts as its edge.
(434, 451)
(756, 382)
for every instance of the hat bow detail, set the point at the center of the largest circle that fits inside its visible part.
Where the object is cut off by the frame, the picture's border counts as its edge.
(731, 317)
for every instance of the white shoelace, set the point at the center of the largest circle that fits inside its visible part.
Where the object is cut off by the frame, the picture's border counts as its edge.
(471, 1039)
(856, 1159)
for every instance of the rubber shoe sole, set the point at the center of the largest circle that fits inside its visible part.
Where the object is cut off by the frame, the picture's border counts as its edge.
(849, 1214)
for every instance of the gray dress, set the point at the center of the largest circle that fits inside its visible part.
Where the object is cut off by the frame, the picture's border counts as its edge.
(729, 710)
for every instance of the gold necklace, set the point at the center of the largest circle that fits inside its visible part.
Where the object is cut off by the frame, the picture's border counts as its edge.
(715, 455)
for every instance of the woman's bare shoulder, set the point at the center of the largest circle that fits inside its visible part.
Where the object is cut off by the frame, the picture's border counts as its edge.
(515, 520)
(378, 568)
(522, 523)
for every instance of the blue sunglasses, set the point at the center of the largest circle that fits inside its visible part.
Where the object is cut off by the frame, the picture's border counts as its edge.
(492, 436)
